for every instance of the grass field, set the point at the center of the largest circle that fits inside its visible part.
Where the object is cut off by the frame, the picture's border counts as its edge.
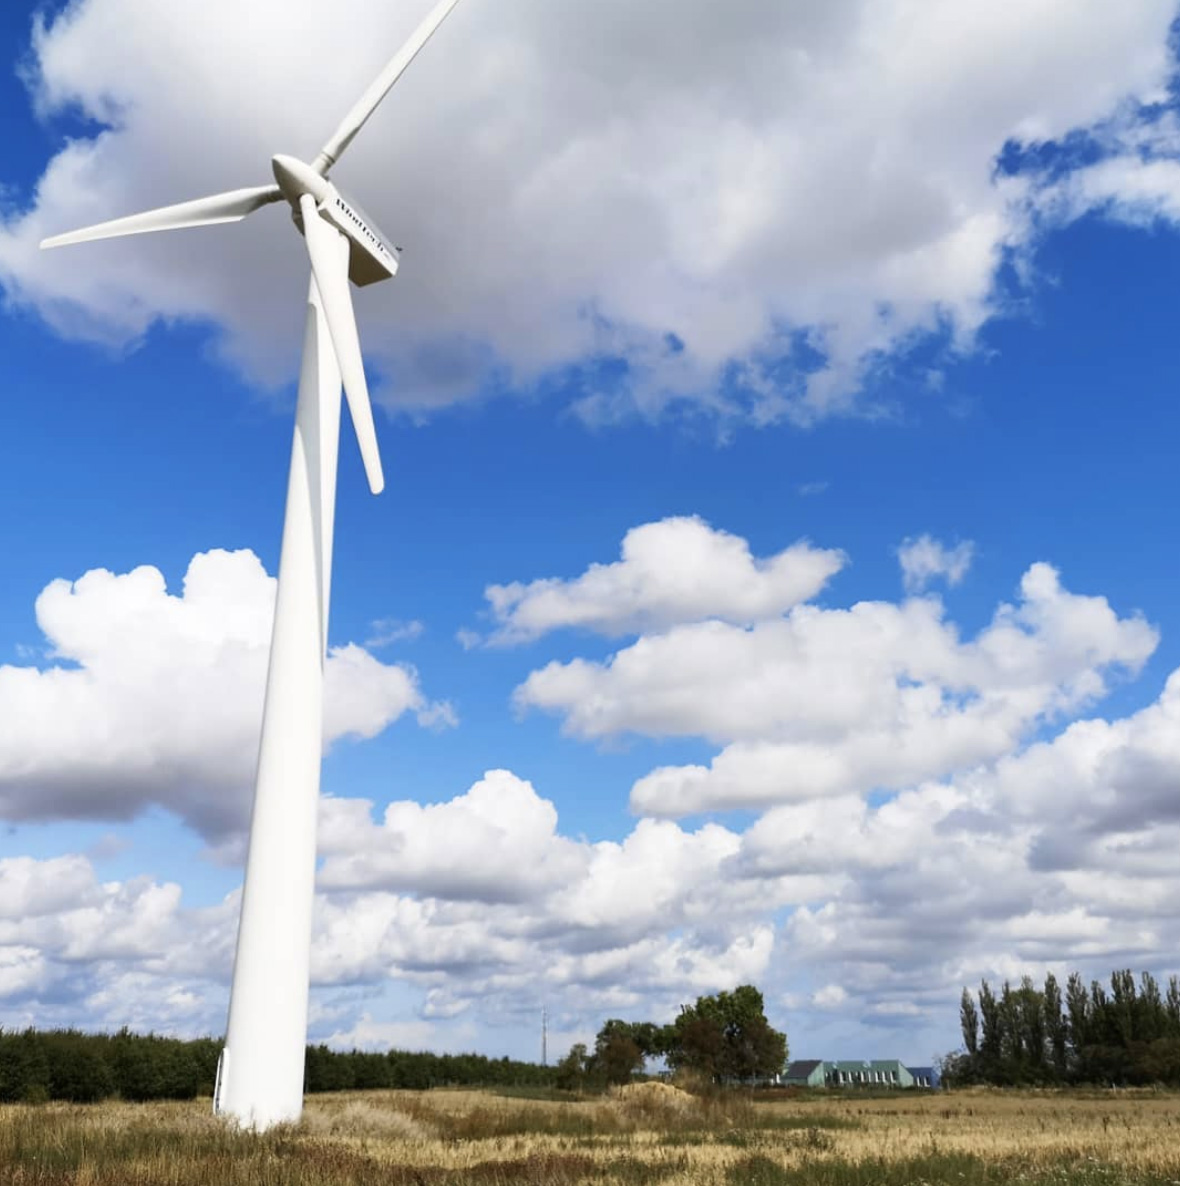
(645, 1134)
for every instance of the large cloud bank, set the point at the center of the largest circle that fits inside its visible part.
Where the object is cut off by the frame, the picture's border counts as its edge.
(700, 189)
(930, 808)
(813, 701)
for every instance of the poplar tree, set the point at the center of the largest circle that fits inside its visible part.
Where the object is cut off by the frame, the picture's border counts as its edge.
(1077, 1005)
(1055, 1029)
(989, 1014)
(1030, 1010)
(1101, 1022)
(1122, 1006)
(1172, 1007)
(969, 1020)
(1127, 1035)
(1150, 1019)
(1011, 1044)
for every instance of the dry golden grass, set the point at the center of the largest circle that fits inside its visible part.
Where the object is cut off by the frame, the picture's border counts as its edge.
(1126, 1129)
(639, 1135)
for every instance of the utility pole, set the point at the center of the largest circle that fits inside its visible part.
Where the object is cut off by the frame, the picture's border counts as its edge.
(544, 1036)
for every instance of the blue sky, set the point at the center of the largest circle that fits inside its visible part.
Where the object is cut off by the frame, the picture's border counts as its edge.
(904, 342)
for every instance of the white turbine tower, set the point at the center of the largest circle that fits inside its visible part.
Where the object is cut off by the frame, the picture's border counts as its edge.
(260, 1076)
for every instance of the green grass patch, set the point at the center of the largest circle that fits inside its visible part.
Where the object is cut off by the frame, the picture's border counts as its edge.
(552, 1095)
(787, 1132)
(787, 1123)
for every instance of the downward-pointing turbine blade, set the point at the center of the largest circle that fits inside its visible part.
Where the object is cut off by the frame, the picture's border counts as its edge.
(228, 207)
(328, 250)
(367, 103)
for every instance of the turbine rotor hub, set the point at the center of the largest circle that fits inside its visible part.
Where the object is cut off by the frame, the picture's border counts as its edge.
(296, 178)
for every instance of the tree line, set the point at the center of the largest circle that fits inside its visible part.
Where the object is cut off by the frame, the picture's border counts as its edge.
(1128, 1035)
(720, 1038)
(333, 1070)
(37, 1065)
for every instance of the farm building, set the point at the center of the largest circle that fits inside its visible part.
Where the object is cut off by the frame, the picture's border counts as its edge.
(877, 1072)
(883, 1072)
(805, 1073)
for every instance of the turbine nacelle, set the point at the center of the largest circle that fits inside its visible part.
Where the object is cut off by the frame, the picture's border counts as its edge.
(371, 257)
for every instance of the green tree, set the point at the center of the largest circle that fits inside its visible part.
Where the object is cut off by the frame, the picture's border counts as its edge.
(572, 1070)
(1031, 1010)
(990, 1041)
(1151, 1022)
(727, 1036)
(1077, 1007)
(326, 1070)
(370, 1071)
(1102, 1029)
(649, 1037)
(1172, 1008)
(1127, 1035)
(1011, 1046)
(1055, 1028)
(696, 1043)
(1122, 1006)
(206, 1053)
(24, 1066)
(617, 1051)
(136, 1071)
(969, 1020)
(77, 1069)
(617, 1059)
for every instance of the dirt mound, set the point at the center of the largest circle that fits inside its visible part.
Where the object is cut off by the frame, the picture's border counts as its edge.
(652, 1089)
(651, 1097)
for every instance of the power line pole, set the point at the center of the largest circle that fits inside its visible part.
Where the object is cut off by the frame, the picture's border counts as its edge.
(544, 1036)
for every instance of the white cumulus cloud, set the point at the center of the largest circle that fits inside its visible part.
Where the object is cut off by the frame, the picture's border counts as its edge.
(675, 570)
(694, 187)
(496, 842)
(821, 702)
(151, 697)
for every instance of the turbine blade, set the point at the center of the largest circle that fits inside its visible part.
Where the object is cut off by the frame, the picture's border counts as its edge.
(328, 250)
(367, 103)
(228, 207)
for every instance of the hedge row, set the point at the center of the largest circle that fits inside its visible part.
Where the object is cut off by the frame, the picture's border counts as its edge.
(70, 1065)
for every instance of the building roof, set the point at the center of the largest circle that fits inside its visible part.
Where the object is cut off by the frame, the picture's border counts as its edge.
(801, 1068)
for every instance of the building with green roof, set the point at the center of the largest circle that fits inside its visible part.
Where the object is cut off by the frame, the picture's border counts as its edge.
(875, 1072)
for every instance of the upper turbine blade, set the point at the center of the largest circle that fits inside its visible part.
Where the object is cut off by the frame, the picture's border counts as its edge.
(228, 207)
(367, 104)
(328, 250)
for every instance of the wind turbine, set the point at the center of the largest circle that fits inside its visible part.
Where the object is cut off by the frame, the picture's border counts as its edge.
(260, 1075)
